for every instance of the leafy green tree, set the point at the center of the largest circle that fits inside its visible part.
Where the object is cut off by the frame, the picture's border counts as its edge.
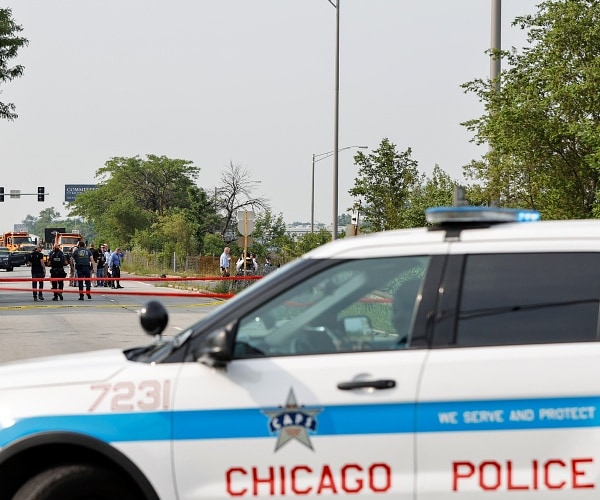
(155, 184)
(436, 191)
(213, 244)
(384, 185)
(10, 43)
(270, 235)
(543, 123)
(46, 219)
(308, 242)
(202, 215)
(177, 233)
(50, 217)
(134, 193)
(147, 240)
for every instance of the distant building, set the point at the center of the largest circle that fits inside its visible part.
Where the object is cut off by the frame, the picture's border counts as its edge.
(301, 228)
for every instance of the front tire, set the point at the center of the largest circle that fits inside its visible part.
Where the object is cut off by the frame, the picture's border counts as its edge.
(76, 482)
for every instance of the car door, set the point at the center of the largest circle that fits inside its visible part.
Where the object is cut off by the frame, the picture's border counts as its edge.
(319, 400)
(509, 403)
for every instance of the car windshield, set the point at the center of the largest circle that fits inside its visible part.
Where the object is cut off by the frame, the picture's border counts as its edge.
(20, 240)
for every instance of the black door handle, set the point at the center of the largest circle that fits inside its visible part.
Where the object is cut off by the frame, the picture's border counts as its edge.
(367, 384)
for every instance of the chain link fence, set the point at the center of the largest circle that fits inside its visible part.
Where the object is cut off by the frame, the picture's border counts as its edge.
(190, 265)
(162, 264)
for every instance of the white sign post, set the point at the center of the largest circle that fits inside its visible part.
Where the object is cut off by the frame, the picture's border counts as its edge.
(245, 227)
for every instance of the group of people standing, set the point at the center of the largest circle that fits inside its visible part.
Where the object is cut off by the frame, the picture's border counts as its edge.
(244, 263)
(87, 265)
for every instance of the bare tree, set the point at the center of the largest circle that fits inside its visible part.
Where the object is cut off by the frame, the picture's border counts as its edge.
(235, 194)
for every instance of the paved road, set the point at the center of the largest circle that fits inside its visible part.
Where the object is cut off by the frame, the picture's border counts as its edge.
(110, 319)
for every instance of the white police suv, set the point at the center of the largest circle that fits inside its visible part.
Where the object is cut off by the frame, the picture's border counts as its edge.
(456, 361)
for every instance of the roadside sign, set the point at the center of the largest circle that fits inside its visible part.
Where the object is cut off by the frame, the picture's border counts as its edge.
(72, 190)
(352, 230)
(244, 241)
(245, 227)
(246, 213)
(245, 222)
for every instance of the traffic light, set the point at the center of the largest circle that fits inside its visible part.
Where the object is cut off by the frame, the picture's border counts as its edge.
(1, 193)
(41, 192)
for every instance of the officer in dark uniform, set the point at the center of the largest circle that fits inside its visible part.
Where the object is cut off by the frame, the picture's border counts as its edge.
(38, 270)
(58, 261)
(82, 258)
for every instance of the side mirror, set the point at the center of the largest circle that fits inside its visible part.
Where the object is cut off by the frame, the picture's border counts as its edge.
(216, 347)
(358, 329)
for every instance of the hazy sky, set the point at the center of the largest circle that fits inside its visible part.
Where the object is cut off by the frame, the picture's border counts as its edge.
(243, 81)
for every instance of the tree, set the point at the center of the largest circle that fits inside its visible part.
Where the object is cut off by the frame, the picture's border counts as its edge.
(114, 213)
(270, 235)
(543, 123)
(308, 242)
(437, 190)
(45, 219)
(385, 182)
(134, 193)
(213, 244)
(177, 233)
(10, 44)
(202, 215)
(155, 184)
(49, 217)
(235, 194)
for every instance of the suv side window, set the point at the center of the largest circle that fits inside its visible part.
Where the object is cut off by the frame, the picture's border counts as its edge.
(529, 298)
(351, 306)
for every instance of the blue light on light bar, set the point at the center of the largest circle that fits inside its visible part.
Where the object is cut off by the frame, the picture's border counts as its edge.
(441, 215)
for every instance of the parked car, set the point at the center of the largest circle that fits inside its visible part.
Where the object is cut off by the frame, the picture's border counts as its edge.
(6, 259)
(18, 259)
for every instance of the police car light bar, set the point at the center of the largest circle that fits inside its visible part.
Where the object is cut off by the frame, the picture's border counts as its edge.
(445, 215)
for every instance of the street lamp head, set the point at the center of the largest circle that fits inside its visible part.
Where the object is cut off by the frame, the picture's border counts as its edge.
(322, 156)
(315, 159)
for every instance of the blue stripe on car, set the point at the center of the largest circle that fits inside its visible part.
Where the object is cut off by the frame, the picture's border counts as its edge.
(445, 416)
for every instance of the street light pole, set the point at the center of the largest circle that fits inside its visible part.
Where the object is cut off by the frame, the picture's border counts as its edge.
(312, 198)
(496, 32)
(315, 159)
(334, 231)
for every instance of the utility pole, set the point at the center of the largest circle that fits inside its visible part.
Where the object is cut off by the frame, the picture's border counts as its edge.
(496, 42)
(336, 121)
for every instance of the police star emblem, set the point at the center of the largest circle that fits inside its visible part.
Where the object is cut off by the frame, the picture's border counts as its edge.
(292, 422)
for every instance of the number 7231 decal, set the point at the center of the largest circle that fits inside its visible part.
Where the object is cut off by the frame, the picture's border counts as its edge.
(129, 396)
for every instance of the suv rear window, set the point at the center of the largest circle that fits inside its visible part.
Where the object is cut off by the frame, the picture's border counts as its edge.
(529, 298)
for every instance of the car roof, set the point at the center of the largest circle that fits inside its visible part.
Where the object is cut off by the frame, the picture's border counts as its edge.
(396, 242)
(457, 238)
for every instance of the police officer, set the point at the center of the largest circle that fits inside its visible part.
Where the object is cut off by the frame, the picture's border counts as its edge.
(58, 261)
(82, 258)
(114, 264)
(38, 270)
